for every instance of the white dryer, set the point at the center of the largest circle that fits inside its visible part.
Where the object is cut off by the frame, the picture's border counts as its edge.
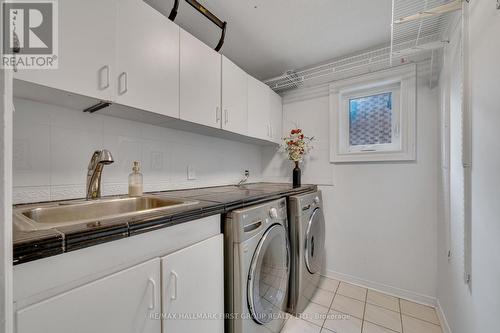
(257, 258)
(307, 244)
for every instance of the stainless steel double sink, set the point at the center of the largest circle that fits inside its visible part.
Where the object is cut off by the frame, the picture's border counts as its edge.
(57, 214)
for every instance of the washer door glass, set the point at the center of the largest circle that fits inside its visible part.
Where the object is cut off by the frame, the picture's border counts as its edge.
(268, 276)
(315, 241)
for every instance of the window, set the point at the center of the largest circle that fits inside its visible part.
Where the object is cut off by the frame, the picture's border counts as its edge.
(373, 117)
(370, 120)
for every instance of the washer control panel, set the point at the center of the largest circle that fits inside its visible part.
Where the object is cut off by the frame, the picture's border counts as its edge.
(248, 221)
(273, 213)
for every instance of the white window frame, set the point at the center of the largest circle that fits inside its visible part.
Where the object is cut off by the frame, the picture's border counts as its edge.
(401, 82)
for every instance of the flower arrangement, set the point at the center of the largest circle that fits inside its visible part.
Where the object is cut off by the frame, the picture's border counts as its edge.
(296, 145)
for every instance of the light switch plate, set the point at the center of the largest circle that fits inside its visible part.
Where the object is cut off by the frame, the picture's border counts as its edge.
(191, 172)
(156, 160)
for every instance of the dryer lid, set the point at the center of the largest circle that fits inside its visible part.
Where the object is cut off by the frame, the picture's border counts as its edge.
(268, 276)
(315, 241)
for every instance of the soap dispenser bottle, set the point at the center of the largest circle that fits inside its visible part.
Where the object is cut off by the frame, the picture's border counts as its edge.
(135, 181)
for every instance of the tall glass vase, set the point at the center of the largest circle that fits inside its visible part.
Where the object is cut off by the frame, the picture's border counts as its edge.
(296, 175)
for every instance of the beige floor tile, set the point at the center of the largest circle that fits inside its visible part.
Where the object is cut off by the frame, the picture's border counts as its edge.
(295, 325)
(419, 311)
(414, 325)
(328, 284)
(383, 300)
(372, 328)
(383, 317)
(352, 291)
(341, 323)
(348, 305)
(322, 297)
(314, 313)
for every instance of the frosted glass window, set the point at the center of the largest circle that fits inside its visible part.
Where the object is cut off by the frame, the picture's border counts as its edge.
(372, 116)
(370, 120)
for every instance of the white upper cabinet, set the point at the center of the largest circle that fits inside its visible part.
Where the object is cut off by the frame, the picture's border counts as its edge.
(120, 303)
(234, 98)
(126, 52)
(193, 282)
(86, 50)
(147, 59)
(276, 118)
(200, 82)
(258, 109)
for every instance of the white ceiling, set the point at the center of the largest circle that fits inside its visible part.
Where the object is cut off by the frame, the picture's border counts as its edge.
(268, 37)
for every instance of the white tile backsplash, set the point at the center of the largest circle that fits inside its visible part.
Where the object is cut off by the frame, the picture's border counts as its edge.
(71, 150)
(30, 193)
(53, 145)
(31, 154)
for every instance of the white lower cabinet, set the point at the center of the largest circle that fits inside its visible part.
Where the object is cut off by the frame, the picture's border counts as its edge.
(160, 295)
(119, 303)
(193, 285)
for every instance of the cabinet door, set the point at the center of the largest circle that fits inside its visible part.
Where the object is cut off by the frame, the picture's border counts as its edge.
(234, 98)
(193, 283)
(120, 303)
(258, 109)
(147, 59)
(200, 82)
(276, 109)
(86, 50)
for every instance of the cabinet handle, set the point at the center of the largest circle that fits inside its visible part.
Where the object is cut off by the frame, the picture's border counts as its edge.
(217, 118)
(123, 75)
(226, 116)
(396, 130)
(152, 282)
(271, 130)
(101, 70)
(175, 277)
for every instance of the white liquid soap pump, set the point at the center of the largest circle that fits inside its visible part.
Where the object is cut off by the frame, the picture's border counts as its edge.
(135, 187)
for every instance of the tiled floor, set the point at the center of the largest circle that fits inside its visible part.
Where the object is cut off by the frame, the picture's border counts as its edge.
(341, 307)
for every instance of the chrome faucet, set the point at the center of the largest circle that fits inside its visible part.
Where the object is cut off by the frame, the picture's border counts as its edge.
(244, 179)
(99, 159)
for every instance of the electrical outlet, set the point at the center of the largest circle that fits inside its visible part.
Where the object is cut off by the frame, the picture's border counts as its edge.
(156, 160)
(191, 172)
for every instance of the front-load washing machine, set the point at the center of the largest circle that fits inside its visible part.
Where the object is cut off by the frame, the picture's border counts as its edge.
(307, 243)
(257, 267)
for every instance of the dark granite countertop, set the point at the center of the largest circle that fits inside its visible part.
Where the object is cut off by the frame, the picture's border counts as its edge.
(32, 245)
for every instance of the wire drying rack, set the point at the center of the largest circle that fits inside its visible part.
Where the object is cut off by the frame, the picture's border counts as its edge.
(416, 34)
(422, 22)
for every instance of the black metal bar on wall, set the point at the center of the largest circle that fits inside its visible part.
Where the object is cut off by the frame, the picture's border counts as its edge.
(205, 12)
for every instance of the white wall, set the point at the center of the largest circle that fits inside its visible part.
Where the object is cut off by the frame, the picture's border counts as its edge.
(53, 146)
(476, 309)
(381, 217)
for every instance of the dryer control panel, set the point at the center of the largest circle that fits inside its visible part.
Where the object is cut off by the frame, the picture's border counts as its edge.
(306, 203)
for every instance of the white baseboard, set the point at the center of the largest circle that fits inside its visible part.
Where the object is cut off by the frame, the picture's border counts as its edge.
(397, 292)
(442, 318)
